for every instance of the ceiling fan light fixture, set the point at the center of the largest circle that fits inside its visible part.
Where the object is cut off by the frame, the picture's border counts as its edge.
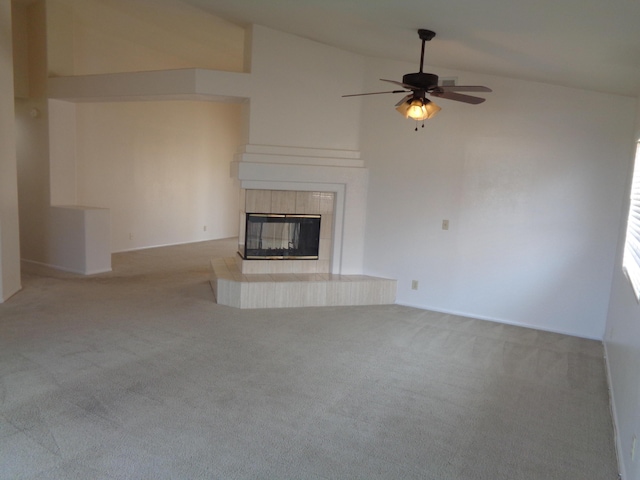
(418, 109)
(420, 84)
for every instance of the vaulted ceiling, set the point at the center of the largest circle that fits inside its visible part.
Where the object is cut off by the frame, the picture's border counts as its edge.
(591, 44)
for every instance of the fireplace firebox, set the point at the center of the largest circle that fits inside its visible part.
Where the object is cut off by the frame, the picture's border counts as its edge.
(275, 236)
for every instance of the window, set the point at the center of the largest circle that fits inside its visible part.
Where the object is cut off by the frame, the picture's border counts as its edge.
(631, 258)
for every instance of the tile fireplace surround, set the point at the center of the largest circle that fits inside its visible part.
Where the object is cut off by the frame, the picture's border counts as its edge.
(244, 283)
(297, 202)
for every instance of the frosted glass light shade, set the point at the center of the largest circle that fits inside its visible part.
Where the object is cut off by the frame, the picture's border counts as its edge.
(418, 109)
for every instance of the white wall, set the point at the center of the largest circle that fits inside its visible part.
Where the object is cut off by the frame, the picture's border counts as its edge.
(622, 343)
(297, 88)
(80, 240)
(530, 182)
(303, 135)
(162, 168)
(9, 240)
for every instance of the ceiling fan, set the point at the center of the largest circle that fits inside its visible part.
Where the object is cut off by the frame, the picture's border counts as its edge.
(416, 105)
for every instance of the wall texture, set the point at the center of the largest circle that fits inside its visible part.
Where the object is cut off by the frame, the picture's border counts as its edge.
(530, 182)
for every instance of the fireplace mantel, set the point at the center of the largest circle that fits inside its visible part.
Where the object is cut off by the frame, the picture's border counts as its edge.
(341, 172)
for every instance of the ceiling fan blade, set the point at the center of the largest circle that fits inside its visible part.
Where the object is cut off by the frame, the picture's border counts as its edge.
(404, 100)
(464, 88)
(405, 85)
(374, 93)
(458, 97)
(393, 81)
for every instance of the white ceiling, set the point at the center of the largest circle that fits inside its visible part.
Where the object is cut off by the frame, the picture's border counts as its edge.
(591, 44)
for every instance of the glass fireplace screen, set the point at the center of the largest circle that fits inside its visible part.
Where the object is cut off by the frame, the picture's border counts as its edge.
(274, 236)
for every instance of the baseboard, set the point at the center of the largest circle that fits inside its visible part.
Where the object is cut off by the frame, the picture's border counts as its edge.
(65, 269)
(11, 293)
(614, 417)
(96, 272)
(499, 320)
(147, 247)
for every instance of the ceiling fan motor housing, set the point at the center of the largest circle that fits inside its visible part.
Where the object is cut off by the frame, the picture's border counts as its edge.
(420, 80)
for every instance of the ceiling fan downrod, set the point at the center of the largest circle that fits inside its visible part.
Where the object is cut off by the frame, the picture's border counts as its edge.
(425, 35)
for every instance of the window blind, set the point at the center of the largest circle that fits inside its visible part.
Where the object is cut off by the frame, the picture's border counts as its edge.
(631, 258)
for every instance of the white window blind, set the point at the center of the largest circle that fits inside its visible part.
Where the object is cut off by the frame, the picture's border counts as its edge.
(631, 258)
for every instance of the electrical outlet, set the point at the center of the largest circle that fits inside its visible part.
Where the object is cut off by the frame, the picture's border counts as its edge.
(414, 284)
(204, 229)
(445, 224)
(131, 236)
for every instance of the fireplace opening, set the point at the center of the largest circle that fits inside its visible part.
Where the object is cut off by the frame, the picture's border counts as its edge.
(275, 236)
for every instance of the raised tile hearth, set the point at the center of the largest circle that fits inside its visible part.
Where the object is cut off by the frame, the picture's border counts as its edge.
(233, 288)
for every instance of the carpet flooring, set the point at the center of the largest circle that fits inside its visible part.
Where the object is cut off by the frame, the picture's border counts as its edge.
(138, 374)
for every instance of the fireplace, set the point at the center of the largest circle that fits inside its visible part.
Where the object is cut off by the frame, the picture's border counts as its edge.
(294, 228)
(281, 236)
(295, 181)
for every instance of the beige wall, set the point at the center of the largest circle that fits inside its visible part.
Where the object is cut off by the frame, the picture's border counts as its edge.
(106, 36)
(161, 167)
(9, 242)
(31, 127)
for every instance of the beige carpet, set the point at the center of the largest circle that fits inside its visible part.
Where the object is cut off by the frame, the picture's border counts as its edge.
(138, 374)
